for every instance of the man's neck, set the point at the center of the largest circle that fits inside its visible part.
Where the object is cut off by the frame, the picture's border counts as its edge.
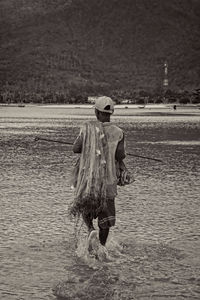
(104, 119)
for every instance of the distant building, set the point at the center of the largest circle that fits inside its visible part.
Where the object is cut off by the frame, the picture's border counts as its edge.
(125, 101)
(92, 99)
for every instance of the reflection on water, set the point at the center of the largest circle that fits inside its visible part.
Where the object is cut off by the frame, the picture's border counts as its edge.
(158, 215)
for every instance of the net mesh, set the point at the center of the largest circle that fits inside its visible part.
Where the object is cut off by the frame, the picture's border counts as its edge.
(91, 172)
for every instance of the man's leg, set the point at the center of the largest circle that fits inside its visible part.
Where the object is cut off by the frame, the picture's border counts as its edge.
(106, 219)
(103, 234)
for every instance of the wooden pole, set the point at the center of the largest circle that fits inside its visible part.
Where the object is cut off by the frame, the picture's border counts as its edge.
(68, 143)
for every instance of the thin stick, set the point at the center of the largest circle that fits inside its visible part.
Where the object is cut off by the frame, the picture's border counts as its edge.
(49, 140)
(67, 143)
(156, 159)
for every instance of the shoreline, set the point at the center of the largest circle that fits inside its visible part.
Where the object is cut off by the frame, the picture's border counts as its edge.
(117, 106)
(87, 111)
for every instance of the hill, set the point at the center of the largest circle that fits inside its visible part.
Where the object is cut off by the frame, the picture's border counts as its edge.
(97, 46)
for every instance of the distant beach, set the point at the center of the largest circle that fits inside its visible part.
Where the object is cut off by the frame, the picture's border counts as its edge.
(87, 110)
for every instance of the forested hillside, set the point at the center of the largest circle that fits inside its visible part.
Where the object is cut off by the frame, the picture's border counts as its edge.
(98, 46)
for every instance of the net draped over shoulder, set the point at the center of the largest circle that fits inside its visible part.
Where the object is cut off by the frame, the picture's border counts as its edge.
(90, 187)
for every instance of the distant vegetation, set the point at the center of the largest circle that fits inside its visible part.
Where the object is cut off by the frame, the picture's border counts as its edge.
(119, 96)
(62, 51)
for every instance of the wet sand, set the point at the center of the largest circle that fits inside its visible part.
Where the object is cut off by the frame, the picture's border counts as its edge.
(155, 243)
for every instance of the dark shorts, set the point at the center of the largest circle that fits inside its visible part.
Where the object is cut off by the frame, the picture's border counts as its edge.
(106, 218)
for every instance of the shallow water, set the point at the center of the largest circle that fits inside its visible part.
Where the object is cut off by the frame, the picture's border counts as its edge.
(155, 243)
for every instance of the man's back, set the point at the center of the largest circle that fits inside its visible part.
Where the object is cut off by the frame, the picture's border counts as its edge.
(114, 139)
(114, 135)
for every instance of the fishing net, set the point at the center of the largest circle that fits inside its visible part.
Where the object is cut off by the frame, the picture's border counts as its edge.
(90, 172)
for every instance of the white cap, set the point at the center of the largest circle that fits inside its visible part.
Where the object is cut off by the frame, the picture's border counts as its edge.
(104, 104)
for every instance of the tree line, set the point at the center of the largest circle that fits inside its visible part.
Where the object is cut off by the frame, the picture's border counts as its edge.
(80, 95)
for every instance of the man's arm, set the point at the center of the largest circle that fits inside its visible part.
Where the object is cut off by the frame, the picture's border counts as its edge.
(120, 151)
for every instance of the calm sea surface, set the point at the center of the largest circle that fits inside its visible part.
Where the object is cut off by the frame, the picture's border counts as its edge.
(155, 244)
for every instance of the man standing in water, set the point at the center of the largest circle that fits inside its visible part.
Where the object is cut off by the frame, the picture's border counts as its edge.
(101, 144)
